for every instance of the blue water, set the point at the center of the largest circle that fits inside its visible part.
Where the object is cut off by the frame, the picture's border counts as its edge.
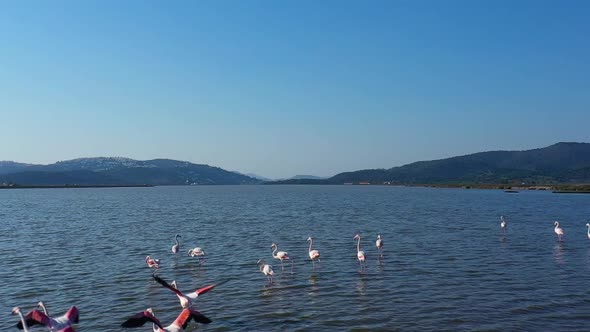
(446, 264)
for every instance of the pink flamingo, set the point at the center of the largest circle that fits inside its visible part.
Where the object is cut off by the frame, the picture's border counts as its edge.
(186, 300)
(61, 324)
(266, 269)
(360, 255)
(503, 224)
(588, 225)
(179, 324)
(313, 254)
(281, 255)
(176, 246)
(558, 230)
(152, 262)
(379, 244)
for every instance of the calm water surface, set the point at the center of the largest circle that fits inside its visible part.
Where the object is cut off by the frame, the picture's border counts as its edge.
(446, 264)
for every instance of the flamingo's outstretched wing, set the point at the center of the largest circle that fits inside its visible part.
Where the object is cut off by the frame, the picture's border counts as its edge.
(35, 317)
(167, 285)
(204, 290)
(72, 316)
(140, 319)
(198, 317)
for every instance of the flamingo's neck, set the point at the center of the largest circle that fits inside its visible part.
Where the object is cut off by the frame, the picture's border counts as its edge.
(310, 242)
(22, 319)
(44, 309)
(358, 245)
(273, 252)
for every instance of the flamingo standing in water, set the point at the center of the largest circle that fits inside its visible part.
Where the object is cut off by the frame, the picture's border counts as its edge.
(281, 255)
(379, 244)
(196, 252)
(266, 269)
(313, 253)
(558, 230)
(588, 225)
(360, 255)
(60, 324)
(152, 262)
(176, 246)
(503, 224)
(179, 324)
(186, 300)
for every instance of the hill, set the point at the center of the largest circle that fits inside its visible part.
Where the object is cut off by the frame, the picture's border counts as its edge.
(561, 163)
(118, 171)
(558, 163)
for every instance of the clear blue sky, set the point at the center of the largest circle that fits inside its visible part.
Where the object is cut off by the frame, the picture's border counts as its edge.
(282, 88)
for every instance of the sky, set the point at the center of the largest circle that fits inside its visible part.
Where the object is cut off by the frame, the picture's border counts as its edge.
(279, 88)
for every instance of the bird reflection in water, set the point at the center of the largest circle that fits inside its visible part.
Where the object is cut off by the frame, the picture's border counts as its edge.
(558, 253)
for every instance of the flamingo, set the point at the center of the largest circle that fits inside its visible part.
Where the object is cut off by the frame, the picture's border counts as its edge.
(281, 255)
(360, 255)
(503, 224)
(179, 324)
(152, 262)
(313, 254)
(588, 225)
(558, 230)
(379, 244)
(265, 269)
(60, 324)
(186, 300)
(196, 252)
(177, 245)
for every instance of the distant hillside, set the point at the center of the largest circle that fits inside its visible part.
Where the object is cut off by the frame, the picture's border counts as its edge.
(308, 177)
(120, 171)
(559, 163)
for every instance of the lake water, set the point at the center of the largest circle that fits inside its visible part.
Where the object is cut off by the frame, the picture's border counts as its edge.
(446, 264)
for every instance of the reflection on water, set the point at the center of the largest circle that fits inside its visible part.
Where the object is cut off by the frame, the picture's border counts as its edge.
(558, 253)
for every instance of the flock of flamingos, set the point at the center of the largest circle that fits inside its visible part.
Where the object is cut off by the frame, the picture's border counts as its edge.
(64, 323)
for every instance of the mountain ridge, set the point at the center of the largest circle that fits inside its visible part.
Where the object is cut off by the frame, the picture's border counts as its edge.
(119, 171)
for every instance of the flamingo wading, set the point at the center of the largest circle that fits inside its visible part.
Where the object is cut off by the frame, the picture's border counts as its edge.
(503, 223)
(360, 255)
(559, 231)
(176, 246)
(314, 254)
(379, 245)
(281, 255)
(588, 225)
(266, 269)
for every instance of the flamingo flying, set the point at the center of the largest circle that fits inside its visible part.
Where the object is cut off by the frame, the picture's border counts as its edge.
(379, 244)
(60, 324)
(503, 223)
(588, 225)
(558, 230)
(179, 324)
(186, 300)
(281, 255)
(176, 247)
(265, 269)
(360, 255)
(313, 254)
(152, 262)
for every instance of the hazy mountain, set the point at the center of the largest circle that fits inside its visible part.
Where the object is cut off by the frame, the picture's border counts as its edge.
(115, 170)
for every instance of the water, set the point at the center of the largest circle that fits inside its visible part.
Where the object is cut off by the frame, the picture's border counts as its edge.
(446, 264)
